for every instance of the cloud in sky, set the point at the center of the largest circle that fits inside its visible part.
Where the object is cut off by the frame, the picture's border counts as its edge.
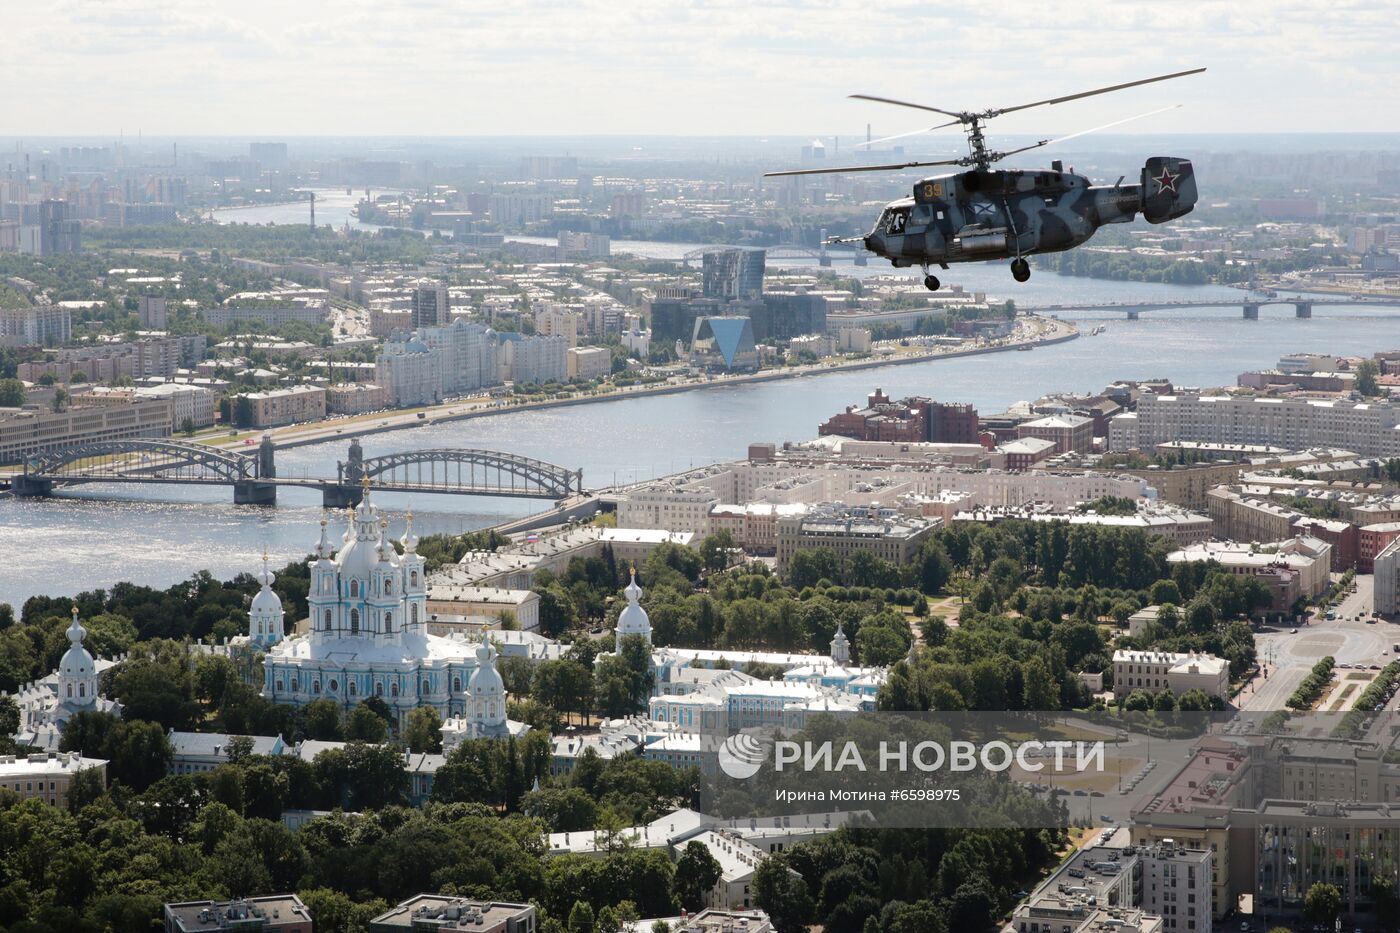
(714, 67)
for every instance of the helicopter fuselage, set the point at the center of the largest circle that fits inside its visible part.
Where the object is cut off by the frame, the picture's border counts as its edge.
(992, 214)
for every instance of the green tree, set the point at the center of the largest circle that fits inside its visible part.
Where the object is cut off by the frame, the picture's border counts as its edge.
(809, 566)
(1165, 591)
(581, 917)
(880, 646)
(562, 809)
(321, 720)
(1366, 373)
(1139, 701)
(365, 725)
(423, 732)
(783, 895)
(138, 753)
(697, 872)
(1322, 903)
(716, 550)
(9, 715)
(1042, 692)
(11, 393)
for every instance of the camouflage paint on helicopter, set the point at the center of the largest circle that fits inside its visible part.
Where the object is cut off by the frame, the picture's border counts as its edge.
(991, 213)
(981, 215)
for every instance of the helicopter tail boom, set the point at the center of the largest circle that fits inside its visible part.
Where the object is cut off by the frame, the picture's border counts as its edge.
(1168, 189)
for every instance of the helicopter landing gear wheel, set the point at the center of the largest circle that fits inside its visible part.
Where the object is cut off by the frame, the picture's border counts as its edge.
(931, 283)
(1020, 269)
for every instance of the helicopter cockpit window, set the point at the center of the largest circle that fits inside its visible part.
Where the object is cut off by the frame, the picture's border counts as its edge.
(921, 216)
(896, 220)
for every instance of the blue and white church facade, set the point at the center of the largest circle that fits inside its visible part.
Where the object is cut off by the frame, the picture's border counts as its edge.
(367, 631)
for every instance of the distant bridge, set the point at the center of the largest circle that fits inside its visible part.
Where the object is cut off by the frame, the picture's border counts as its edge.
(1302, 307)
(824, 254)
(254, 478)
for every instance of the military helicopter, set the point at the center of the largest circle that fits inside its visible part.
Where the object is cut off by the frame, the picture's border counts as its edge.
(987, 214)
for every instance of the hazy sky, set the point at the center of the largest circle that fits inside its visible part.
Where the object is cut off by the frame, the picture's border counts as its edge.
(746, 67)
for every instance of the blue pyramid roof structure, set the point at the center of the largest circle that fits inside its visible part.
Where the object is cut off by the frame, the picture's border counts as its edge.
(729, 336)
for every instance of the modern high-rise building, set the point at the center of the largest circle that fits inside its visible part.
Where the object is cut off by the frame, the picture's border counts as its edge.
(45, 325)
(151, 309)
(520, 209)
(673, 316)
(431, 305)
(784, 315)
(467, 355)
(47, 229)
(410, 370)
(532, 359)
(734, 273)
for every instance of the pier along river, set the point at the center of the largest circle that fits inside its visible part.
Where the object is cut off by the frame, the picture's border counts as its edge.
(87, 539)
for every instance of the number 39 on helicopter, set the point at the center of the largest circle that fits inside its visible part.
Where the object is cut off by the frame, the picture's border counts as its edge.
(991, 214)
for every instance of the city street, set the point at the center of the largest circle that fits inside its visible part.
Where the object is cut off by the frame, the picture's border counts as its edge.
(1349, 639)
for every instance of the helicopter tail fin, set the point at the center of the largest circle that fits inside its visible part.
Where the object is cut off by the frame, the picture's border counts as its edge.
(1168, 188)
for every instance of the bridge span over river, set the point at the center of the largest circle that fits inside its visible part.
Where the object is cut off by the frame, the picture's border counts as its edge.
(254, 478)
(1302, 305)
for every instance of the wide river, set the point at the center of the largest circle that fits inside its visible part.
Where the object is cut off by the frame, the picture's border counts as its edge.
(82, 540)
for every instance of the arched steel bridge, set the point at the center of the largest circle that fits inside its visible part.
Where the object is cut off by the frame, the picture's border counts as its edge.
(487, 472)
(254, 478)
(144, 460)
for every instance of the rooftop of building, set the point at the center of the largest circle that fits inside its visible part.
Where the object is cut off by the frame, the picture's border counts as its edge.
(447, 913)
(236, 914)
(46, 763)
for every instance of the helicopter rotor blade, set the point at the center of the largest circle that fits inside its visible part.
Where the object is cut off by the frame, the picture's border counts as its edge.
(1102, 90)
(860, 168)
(1059, 139)
(928, 129)
(903, 103)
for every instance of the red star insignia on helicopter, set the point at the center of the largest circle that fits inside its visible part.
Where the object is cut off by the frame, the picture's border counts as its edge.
(1167, 182)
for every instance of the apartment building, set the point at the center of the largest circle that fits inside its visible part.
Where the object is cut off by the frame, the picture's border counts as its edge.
(584, 363)
(306, 311)
(410, 371)
(1244, 517)
(1310, 558)
(191, 406)
(1111, 885)
(846, 531)
(663, 505)
(1069, 433)
(285, 406)
(147, 358)
(43, 325)
(353, 398)
(1371, 541)
(1387, 570)
(532, 360)
(1370, 428)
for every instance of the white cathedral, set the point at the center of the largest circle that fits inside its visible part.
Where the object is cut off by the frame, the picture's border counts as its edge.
(367, 636)
(48, 704)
